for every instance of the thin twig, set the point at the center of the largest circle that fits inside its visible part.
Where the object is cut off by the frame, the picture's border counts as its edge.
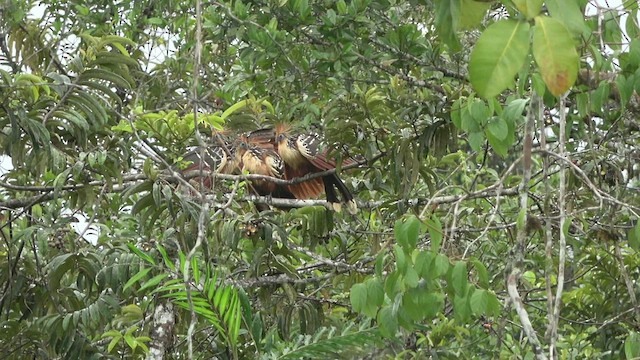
(562, 246)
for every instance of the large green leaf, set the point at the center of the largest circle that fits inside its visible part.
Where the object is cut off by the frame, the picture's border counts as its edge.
(568, 11)
(498, 55)
(472, 13)
(447, 19)
(530, 8)
(459, 278)
(556, 55)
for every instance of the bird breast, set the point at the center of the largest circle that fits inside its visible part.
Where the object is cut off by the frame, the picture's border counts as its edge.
(252, 163)
(290, 154)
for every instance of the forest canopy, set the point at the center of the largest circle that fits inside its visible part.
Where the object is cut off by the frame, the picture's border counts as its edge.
(163, 165)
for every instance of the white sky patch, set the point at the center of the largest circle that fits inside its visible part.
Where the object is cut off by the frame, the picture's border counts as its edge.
(6, 164)
(90, 231)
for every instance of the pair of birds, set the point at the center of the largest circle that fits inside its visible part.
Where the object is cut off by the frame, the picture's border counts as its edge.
(278, 153)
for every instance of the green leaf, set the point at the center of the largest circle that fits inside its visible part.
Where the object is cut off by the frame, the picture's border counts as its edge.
(135, 278)
(401, 259)
(303, 8)
(472, 13)
(631, 24)
(39, 133)
(112, 344)
(328, 348)
(493, 305)
(632, 345)
(476, 140)
(60, 181)
(387, 322)
(433, 303)
(123, 126)
(530, 8)
(612, 31)
(411, 278)
(435, 232)
(130, 340)
(115, 79)
(407, 232)
(599, 97)
(441, 266)
(501, 147)
(375, 292)
(447, 19)
(168, 262)
(481, 272)
(497, 57)
(411, 306)
(108, 58)
(498, 127)
(529, 278)
(625, 88)
(196, 270)
(358, 297)
(461, 308)
(153, 281)
(479, 301)
(459, 279)
(371, 305)
(568, 11)
(240, 9)
(380, 259)
(555, 54)
(423, 262)
(141, 254)
(514, 111)
(391, 284)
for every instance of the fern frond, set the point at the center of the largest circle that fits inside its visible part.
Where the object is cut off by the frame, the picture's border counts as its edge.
(324, 345)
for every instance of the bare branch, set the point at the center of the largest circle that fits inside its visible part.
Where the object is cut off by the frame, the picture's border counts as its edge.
(518, 259)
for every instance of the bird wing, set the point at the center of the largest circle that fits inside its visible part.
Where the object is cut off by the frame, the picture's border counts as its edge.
(309, 189)
(313, 149)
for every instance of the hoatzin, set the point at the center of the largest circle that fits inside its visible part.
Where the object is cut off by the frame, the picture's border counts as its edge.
(262, 160)
(219, 157)
(303, 155)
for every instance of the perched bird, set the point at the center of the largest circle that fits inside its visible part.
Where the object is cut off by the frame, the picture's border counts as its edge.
(278, 153)
(263, 138)
(305, 154)
(217, 156)
(263, 161)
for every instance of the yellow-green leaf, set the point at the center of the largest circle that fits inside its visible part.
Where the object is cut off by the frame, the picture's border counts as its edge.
(530, 8)
(556, 55)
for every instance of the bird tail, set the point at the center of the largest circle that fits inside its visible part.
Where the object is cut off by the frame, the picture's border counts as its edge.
(333, 183)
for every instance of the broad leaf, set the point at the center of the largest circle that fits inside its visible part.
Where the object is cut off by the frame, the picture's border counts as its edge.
(556, 55)
(498, 56)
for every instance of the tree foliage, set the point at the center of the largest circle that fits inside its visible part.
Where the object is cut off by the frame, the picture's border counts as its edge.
(498, 203)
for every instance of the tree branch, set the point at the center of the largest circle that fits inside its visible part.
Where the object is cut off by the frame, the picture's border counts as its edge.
(517, 262)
